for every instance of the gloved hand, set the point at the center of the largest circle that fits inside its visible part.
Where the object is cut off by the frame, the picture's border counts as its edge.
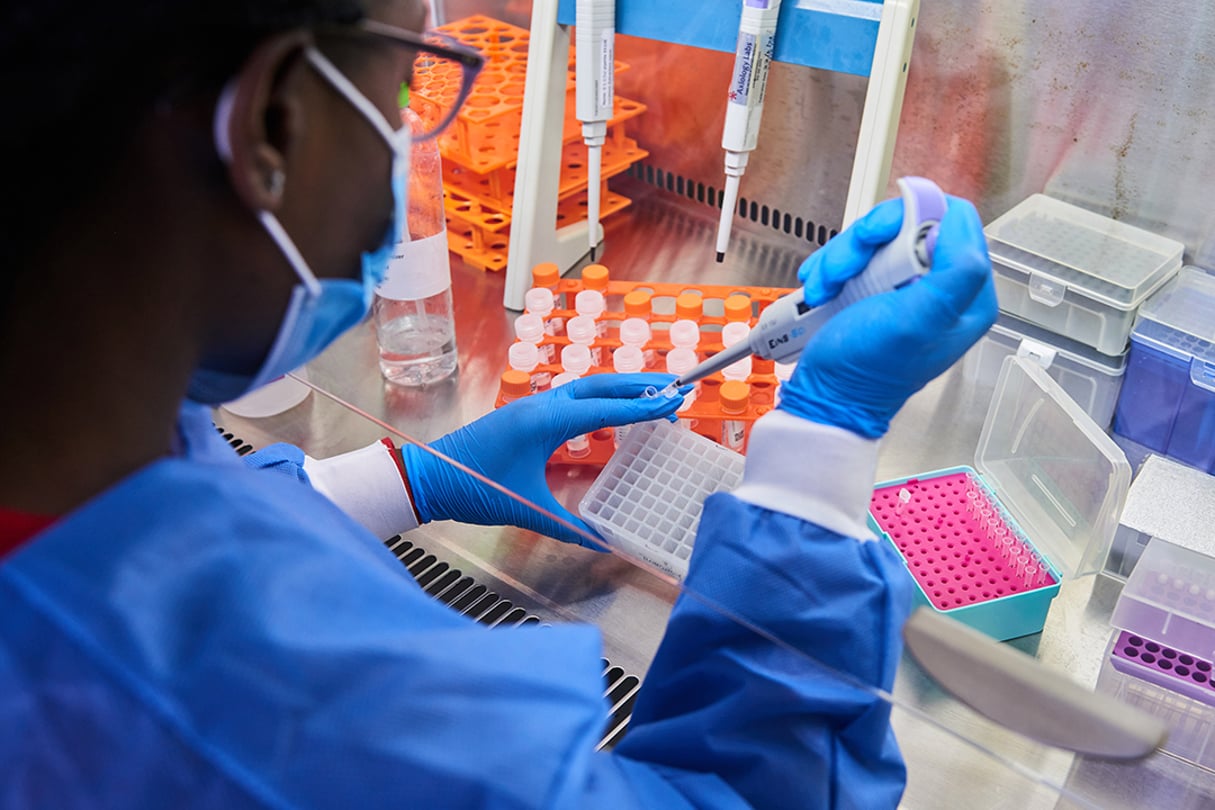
(870, 358)
(512, 444)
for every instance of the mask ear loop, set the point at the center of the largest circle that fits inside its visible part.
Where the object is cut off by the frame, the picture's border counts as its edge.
(221, 125)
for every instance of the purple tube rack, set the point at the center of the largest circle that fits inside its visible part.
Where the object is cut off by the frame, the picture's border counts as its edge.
(1172, 669)
(959, 543)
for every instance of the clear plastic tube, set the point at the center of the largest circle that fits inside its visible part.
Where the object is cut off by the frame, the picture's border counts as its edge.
(582, 330)
(579, 446)
(591, 303)
(575, 359)
(626, 360)
(529, 328)
(680, 361)
(636, 332)
(525, 357)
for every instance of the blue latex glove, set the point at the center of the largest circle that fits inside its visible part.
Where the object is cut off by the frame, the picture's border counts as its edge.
(864, 364)
(512, 445)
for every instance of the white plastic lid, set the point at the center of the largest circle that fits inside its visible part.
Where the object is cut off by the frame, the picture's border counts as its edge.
(783, 371)
(680, 361)
(634, 331)
(562, 378)
(523, 356)
(530, 328)
(734, 332)
(628, 360)
(581, 329)
(1179, 319)
(538, 300)
(576, 359)
(1059, 474)
(590, 302)
(685, 334)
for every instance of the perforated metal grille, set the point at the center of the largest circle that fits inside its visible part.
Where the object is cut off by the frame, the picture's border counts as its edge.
(770, 217)
(464, 594)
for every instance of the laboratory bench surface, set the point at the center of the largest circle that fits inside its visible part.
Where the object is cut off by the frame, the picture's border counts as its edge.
(956, 758)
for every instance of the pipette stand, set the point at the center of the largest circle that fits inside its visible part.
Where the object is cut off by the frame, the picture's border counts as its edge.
(534, 237)
(862, 37)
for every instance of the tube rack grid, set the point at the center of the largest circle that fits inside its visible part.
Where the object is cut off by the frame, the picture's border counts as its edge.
(705, 412)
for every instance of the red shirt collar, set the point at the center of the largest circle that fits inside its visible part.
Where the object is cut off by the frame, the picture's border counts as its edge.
(18, 528)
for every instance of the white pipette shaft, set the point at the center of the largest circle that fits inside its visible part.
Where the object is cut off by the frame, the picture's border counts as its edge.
(745, 101)
(595, 66)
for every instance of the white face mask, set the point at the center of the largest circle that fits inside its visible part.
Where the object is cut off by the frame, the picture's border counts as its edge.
(319, 311)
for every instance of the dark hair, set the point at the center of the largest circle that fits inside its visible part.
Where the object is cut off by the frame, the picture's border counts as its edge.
(78, 76)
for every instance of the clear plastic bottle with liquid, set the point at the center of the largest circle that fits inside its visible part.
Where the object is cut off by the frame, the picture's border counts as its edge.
(415, 323)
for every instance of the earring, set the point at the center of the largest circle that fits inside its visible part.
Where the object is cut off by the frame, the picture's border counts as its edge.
(274, 184)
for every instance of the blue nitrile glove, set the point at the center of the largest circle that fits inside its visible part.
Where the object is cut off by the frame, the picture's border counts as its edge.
(870, 358)
(512, 444)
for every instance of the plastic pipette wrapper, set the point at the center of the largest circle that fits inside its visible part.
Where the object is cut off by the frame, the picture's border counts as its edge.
(745, 102)
(788, 324)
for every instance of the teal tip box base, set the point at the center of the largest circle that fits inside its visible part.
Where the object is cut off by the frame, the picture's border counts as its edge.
(968, 556)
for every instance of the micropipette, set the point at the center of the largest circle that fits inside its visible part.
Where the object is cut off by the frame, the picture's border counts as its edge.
(595, 36)
(788, 323)
(752, 55)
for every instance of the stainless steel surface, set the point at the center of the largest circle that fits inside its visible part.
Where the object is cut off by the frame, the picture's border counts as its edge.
(662, 239)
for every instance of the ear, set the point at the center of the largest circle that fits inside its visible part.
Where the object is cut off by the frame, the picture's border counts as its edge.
(258, 118)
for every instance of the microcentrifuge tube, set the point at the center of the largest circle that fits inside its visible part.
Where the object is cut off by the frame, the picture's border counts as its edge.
(650, 392)
(579, 446)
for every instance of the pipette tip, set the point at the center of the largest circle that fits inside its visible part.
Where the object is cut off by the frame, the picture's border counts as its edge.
(593, 250)
(721, 256)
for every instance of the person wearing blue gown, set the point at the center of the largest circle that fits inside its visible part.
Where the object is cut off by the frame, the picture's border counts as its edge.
(208, 193)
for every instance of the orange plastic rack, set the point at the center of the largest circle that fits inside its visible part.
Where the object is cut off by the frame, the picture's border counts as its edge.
(485, 247)
(705, 414)
(480, 148)
(497, 189)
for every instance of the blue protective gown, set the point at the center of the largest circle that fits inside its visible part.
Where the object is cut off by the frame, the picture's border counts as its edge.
(209, 634)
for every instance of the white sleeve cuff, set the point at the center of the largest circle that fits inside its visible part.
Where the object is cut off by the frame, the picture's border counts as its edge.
(816, 472)
(367, 485)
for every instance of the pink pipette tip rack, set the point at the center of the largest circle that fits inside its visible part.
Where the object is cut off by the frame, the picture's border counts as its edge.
(959, 543)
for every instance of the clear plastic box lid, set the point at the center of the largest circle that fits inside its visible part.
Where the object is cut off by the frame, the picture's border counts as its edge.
(1179, 319)
(1057, 472)
(1061, 246)
(1014, 328)
(1170, 598)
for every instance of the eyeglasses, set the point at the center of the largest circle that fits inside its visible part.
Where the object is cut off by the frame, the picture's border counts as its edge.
(443, 73)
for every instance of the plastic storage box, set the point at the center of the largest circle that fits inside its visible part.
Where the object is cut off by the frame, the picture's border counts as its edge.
(1170, 599)
(648, 499)
(1162, 653)
(1088, 376)
(1075, 272)
(1169, 501)
(989, 545)
(1168, 398)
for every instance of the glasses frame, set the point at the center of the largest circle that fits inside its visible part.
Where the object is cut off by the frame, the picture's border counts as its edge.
(471, 61)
